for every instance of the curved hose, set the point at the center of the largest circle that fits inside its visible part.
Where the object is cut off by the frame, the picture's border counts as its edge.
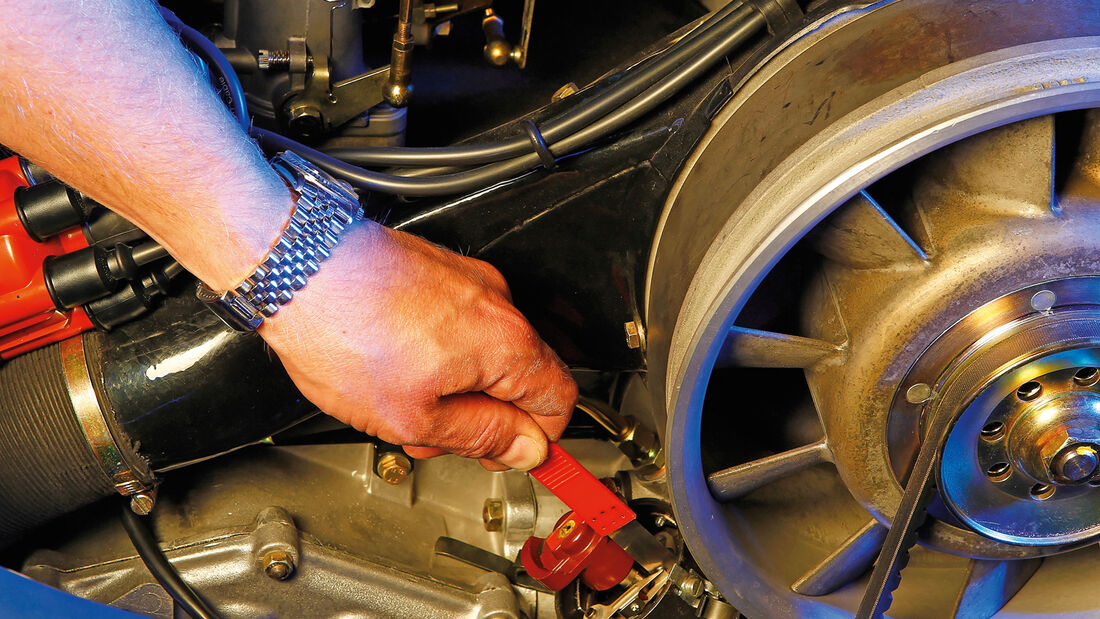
(216, 60)
(634, 82)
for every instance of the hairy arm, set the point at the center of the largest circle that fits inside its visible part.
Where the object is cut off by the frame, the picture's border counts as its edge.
(395, 336)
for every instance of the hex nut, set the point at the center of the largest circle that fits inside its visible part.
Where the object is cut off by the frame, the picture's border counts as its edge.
(633, 335)
(393, 467)
(278, 564)
(493, 515)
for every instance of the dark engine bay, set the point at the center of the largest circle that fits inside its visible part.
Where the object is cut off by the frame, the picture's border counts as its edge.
(824, 273)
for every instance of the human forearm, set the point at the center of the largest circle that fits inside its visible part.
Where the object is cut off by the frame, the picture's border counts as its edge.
(157, 146)
(393, 335)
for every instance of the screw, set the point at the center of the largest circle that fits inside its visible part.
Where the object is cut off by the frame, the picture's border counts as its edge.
(273, 59)
(393, 467)
(1076, 463)
(278, 564)
(142, 503)
(918, 393)
(492, 514)
(635, 608)
(566, 528)
(692, 586)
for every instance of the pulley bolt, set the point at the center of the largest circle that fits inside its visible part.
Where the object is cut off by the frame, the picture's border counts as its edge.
(493, 515)
(1076, 463)
(278, 564)
(393, 467)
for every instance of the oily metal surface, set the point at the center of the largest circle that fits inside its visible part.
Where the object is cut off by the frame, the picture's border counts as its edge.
(846, 120)
(360, 547)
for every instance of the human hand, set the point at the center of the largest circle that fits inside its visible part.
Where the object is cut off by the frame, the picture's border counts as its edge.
(422, 347)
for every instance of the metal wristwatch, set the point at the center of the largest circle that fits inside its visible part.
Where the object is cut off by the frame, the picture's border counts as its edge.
(324, 207)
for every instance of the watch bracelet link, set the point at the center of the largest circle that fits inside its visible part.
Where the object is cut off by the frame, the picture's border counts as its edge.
(324, 207)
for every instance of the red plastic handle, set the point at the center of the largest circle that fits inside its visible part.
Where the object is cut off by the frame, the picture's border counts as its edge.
(589, 499)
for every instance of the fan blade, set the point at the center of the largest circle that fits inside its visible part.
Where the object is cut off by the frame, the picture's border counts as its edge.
(990, 585)
(1003, 172)
(739, 480)
(766, 349)
(862, 235)
(847, 563)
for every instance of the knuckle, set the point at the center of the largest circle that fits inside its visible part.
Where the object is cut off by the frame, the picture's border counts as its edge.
(485, 440)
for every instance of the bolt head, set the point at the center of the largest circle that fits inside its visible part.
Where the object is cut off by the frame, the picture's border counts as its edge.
(278, 564)
(394, 468)
(1076, 463)
(498, 53)
(918, 393)
(493, 515)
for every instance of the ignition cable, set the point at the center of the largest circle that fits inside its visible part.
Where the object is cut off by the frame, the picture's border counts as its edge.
(732, 26)
(161, 569)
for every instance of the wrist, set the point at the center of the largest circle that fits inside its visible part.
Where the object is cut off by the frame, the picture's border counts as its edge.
(240, 231)
(341, 278)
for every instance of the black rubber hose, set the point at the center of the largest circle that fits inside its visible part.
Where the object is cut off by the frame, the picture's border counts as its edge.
(163, 571)
(46, 468)
(634, 82)
(161, 386)
(749, 22)
(215, 60)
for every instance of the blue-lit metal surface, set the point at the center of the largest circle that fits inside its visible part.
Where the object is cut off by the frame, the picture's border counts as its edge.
(23, 598)
(1004, 510)
(752, 228)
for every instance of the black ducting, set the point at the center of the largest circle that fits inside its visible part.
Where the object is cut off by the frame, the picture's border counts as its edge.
(178, 386)
(46, 466)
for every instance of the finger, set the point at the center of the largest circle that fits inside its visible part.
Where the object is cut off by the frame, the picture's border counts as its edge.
(475, 425)
(489, 465)
(540, 385)
(423, 453)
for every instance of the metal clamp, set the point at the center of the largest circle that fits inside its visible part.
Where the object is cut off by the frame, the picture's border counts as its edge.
(89, 415)
(778, 13)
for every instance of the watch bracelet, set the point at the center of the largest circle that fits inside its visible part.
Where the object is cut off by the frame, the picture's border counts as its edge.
(324, 207)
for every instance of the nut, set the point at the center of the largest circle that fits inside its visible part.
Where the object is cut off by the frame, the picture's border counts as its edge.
(634, 336)
(393, 467)
(493, 515)
(278, 564)
(565, 91)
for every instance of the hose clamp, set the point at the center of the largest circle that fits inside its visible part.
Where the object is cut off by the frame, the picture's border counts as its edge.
(94, 427)
(778, 13)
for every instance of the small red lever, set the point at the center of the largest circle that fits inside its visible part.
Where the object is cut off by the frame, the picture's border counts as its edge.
(591, 501)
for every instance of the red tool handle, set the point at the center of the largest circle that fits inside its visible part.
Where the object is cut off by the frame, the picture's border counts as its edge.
(589, 499)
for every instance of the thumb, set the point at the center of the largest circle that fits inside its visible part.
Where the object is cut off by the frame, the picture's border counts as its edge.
(475, 425)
